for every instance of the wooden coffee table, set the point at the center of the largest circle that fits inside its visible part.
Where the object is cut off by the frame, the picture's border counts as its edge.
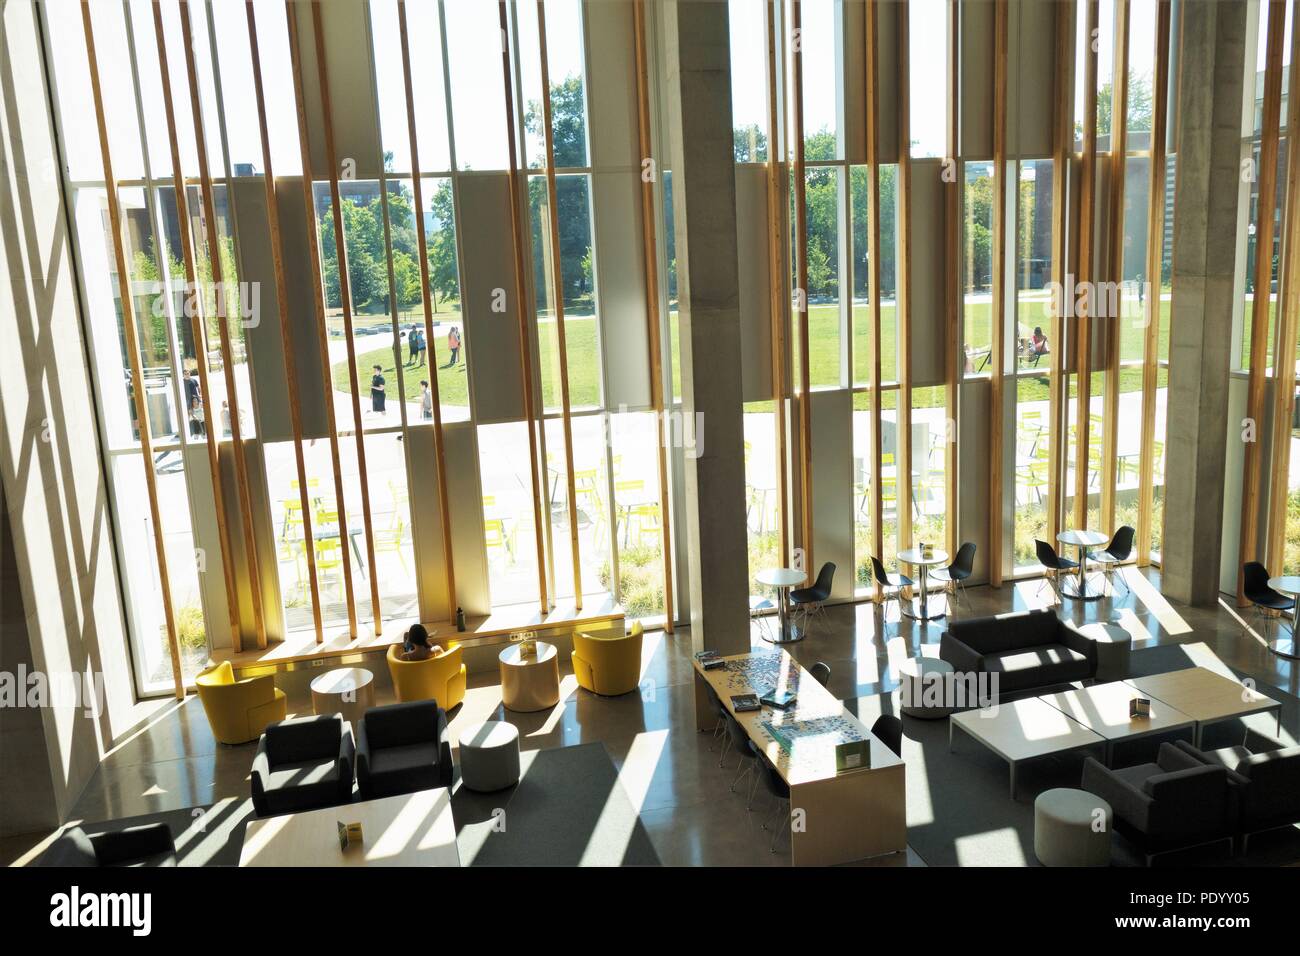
(1024, 730)
(1205, 697)
(413, 829)
(1104, 709)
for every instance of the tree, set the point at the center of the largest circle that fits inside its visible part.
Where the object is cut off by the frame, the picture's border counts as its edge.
(444, 278)
(750, 144)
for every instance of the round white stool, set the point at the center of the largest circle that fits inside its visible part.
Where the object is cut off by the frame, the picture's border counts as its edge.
(925, 688)
(489, 756)
(1069, 830)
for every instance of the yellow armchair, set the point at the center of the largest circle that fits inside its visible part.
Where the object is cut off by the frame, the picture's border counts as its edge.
(608, 666)
(239, 710)
(439, 678)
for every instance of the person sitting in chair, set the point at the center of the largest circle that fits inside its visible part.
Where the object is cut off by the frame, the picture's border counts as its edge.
(415, 645)
(1038, 344)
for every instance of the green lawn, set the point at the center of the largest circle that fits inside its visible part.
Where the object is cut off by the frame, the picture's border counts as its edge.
(823, 360)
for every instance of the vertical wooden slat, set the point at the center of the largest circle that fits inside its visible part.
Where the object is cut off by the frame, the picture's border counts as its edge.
(1264, 229)
(1062, 150)
(1154, 264)
(649, 248)
(1284, 362)
(952, 280)
(525, 347)
(1087, 271)
(997, 319)
(193, 301)
(557, 304)
(800, 240)
(345, 297)
(903, 294)
(417, 188)
(1115, 271)
(133, 355)
(286, 335)
(873, 275)
(223, 326)
(778, 276)
(318, 297)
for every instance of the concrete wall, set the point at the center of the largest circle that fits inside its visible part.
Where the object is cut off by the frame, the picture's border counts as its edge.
(65, 586)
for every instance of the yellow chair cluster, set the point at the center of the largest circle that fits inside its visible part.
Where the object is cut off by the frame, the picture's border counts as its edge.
(239, 710)
(608, 666)
(439, 678)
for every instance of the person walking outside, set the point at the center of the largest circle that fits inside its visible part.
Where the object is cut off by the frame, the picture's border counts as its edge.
(453, 346)
(377, 390)
(194, 404)
(412, 345)
(426, 401)
(424, 346)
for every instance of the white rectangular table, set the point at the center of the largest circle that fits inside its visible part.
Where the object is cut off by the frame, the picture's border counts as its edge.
(1104, 709)
(1205, 697)
(413, 829)
(1023, 730)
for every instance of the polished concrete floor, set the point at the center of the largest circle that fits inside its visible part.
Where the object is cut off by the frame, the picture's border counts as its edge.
(664, 765)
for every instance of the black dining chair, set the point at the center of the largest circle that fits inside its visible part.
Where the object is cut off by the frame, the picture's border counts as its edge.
(822, 671)
(1053, 564)
(888, 582)
(889, 729)
(1116, 553)
(720, 710)
(1254, 585)
(954, 576)
(780, 791)
(813, 599)
(747, 764)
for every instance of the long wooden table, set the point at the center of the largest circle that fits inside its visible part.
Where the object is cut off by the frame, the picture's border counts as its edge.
(836, 817)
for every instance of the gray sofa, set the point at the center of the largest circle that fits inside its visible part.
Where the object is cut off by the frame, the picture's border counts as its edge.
(1266, 779)
(1176, 802)
(403, 748)
(303, 763)
(1026, 650)
(147, 845)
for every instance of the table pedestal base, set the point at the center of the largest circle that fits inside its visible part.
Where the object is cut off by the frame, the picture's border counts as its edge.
(927, 610)
(1287, 647)
(787, 635)
(1089, 592)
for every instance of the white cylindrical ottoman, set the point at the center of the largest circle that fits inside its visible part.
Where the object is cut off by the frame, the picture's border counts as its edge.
(1072, 828)
(489, 756)
(926, 688)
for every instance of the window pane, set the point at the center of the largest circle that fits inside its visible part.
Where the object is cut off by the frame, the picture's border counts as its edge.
(508, 523)
(591, 495)
(762, 505)
(478, 99)
(244, 139)
(860, 198)
(634, 443)
(748, 79)
(1034, 265)
(823, 249)
(928, 77)
(889, 475)
(977, 275)
(424, 38)
(862, 497)
(1033, 466)
(822, 66)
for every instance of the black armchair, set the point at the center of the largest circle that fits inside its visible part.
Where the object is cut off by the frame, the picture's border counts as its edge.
(149, 845)
(1266, 778)
(403, 748)
(303, 764)
(1174, 803)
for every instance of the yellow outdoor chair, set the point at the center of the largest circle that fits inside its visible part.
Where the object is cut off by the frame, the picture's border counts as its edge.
(439, 678)
(608, 666)
(239, 710)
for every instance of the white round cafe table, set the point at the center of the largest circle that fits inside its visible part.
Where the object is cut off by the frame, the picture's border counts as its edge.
(1288, 584)
(530, 683)
(1083, 540)
(349, 691)
(783, 579)
(925, 560)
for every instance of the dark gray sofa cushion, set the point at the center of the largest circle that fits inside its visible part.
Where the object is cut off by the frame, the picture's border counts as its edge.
(402, 748)
(303, 764)
(1036, 666)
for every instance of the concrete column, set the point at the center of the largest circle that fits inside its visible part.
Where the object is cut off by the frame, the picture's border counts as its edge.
(704, 197)
(1210, 70)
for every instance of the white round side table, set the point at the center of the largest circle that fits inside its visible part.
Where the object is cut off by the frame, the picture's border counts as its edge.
(530, 683)
(349, 691)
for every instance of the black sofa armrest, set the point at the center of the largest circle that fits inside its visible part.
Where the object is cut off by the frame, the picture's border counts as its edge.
(363, 753)
(261, 773)
(346, 762)
(444, 750)
(1179, 755)
(133, 843)
(961, 656)
(1080, 643)
(1129, 804)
